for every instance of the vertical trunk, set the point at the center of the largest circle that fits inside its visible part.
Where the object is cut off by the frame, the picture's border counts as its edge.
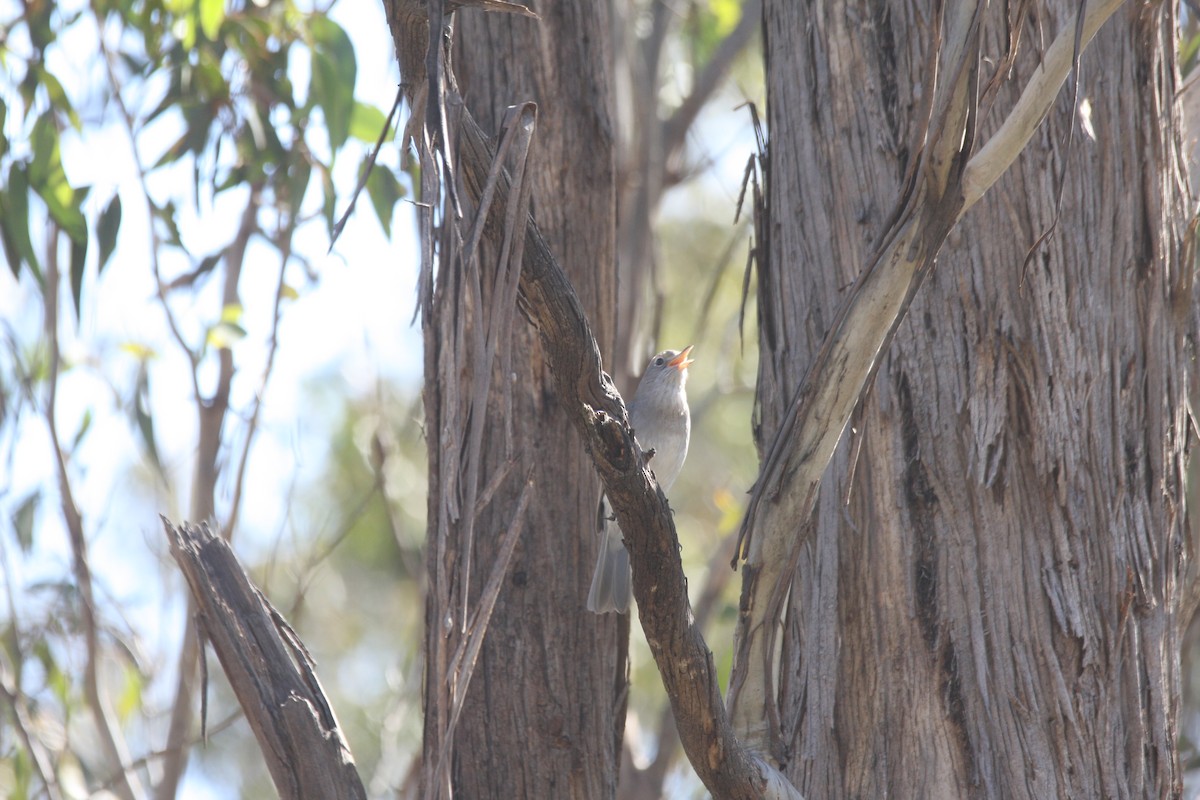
(544, 713)
(992, 599)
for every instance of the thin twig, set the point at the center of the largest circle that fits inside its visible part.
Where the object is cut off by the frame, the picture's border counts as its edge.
(366, 170)
(284, 242)
(127, 120)
(112, 744)
(43, 765)
(144, 761)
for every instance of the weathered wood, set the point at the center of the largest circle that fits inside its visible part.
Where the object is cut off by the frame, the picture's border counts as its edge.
(990, 598)
(269, 670)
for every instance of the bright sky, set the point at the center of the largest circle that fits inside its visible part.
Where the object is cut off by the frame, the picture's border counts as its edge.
(351, 328)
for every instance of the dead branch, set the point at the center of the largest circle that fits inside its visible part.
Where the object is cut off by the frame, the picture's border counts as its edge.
(269, 669)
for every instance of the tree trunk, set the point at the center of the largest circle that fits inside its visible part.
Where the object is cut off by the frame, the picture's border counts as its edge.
(993, 594)
(544, 713)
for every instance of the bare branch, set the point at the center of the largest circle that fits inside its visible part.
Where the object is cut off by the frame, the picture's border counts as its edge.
(269, 670)
(1002, 149)
(111, 741)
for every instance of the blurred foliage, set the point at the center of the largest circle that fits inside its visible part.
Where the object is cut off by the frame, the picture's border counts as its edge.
(355, 583)
(228, 110)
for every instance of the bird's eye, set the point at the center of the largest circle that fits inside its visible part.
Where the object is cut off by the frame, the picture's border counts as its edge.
(658, 362)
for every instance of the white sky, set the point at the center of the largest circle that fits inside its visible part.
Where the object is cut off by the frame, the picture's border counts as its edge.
(351, 328)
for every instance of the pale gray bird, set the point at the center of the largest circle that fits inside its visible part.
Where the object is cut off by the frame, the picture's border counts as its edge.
(661, 422)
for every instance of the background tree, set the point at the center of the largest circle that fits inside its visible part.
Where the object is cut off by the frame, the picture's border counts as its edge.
(316, 468)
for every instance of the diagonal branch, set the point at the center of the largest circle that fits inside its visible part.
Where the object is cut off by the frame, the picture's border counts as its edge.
(269, 670)
(724, 764)
(942, 183)
(1002, 149)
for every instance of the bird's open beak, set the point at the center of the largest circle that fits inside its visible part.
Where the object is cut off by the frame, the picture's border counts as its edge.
(681, 361)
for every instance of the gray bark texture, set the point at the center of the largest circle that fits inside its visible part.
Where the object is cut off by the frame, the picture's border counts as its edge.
(269, 670)
(544, 713)
(999, 571)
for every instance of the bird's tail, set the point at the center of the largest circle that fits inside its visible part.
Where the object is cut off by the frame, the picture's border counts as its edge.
(611, 588)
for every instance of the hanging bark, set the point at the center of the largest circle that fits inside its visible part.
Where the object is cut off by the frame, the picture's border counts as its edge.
(990, 597)
(857, 599)
(525, 691)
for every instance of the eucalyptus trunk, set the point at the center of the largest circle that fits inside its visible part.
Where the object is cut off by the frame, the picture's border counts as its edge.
(992, 596)
(544, 711)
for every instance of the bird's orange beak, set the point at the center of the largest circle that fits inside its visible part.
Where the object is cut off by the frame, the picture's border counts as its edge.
(681, 361)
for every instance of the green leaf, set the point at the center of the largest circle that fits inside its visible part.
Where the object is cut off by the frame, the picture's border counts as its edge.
(106, 229)
(23, 518)
(225, 335)
(10, 250)
(49, 180)
(1187, 53)
(728, 13)
(366, 122)
(232, 313)
(166, 215)
(84, 426)
(3, 119)
(145, 422)
(44, 142)
(298, 174)
(188, 37)
(78, 262)
(229, 330)
(14, 221)
(138, 350)
(58, 96)
(384, 191)
(333, 72)
(130, 698)
(212, 14)
(329, 208)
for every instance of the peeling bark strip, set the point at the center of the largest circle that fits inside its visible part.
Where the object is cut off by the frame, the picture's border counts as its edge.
(806, 431)
(993, 576)
(269, 669)
(596, 410)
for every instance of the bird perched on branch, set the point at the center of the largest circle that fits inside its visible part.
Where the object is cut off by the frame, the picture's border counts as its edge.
(661, 422)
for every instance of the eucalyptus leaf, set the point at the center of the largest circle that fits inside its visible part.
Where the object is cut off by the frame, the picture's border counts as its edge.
(107, 228)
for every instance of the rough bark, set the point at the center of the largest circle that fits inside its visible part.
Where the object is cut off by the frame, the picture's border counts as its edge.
(992, 597)
(544, 713)
(595, 409)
